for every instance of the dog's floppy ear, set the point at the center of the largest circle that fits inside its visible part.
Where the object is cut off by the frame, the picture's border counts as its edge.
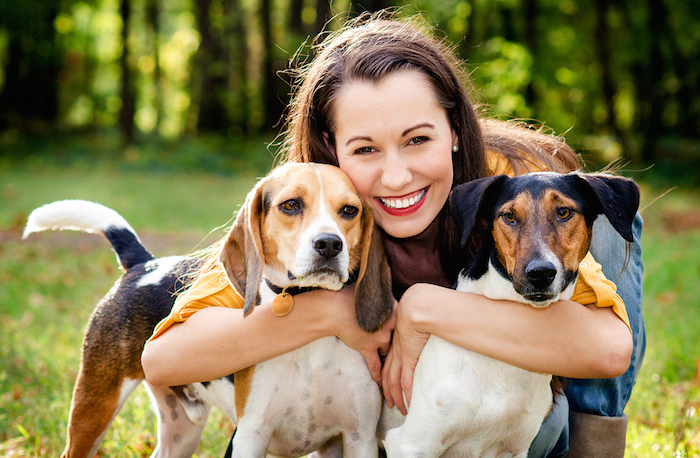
(466, 201)
(618, 198)
(242, 254)
(373, 295)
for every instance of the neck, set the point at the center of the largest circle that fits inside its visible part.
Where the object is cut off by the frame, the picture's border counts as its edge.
(417, 259)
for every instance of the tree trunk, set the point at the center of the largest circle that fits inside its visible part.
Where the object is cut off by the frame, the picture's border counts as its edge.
(296, 25)
(212, 75)
(237, 54)
(29, 95)
(271, 106)
(602, 46)
(532, 12)
(153, 17)
(126, 116)
(653, 94)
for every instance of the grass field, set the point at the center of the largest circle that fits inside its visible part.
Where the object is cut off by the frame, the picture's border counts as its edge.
(50, 283)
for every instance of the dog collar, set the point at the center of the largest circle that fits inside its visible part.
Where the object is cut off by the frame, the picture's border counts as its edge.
(283, 303)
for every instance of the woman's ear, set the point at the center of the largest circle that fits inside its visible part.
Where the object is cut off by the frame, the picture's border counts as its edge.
(330, 144)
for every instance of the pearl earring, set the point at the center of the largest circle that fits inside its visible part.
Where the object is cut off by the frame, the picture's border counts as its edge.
(455, 148)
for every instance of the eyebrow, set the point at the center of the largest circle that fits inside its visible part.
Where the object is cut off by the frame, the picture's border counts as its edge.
(405, 132)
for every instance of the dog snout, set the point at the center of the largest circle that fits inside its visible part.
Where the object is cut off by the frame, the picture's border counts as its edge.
(327, 245)
(540, 273)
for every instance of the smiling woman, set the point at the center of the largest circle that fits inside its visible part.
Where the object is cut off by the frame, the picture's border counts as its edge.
(389, 105)
(398, 158)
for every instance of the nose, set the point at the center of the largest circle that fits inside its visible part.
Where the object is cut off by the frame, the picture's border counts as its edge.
(396, 173)
(327, 245)
(540, 273)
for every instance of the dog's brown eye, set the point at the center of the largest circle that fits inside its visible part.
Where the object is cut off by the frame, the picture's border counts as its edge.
(290, 206)
(563, 213)
(348, 211)
(509, 217)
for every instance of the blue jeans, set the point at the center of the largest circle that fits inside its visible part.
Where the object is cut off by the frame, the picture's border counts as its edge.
(607, 397)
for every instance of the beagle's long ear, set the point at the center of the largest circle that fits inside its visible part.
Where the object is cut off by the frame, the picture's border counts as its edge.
(467, 200)
(618, 198)
(373, 295)
(242, 253)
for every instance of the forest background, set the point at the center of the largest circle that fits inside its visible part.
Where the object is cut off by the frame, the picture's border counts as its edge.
(169, 110)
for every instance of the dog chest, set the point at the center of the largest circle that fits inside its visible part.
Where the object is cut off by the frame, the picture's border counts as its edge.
(305, 397)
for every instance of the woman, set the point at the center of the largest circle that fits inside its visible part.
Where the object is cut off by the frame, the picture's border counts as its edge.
(385, 102)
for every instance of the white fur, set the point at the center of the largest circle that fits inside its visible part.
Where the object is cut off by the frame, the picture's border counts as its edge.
(468, 405)
(157, 269)
(301, 399)
(76, 215)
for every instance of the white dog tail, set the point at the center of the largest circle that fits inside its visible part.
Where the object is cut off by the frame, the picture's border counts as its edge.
(85, 216)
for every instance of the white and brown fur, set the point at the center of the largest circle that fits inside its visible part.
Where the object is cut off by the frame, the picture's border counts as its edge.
(320, 396)
(531, 233)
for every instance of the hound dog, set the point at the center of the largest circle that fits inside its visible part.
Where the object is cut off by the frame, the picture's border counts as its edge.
(304, 225)
(533, 231)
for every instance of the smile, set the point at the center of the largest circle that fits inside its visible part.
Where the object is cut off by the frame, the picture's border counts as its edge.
(404, 202)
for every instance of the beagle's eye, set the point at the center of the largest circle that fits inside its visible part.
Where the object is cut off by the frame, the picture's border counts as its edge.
(348, 211)
(564, 213)
(509, 217)
(290, 206)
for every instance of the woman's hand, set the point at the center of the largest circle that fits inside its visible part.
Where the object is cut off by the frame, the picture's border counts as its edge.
(406, 347)
(369, 345)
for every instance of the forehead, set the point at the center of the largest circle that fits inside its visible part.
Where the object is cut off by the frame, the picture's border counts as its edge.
(544, 185)
(309, 180)
(400, 98)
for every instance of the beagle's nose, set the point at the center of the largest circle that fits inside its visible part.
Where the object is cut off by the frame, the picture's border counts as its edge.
(327, 245)
(540, 273)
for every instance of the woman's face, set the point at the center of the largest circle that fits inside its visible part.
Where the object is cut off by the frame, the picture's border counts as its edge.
(395, 143)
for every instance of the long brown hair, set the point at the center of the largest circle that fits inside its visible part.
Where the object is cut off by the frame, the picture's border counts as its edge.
(373, 46)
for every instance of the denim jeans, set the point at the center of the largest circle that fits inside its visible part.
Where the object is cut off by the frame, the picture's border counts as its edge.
(607, 397)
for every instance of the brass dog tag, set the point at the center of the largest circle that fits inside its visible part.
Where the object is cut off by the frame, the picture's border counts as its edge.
(282, 304)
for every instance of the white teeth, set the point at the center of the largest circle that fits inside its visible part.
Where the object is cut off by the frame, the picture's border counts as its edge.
(403, 203)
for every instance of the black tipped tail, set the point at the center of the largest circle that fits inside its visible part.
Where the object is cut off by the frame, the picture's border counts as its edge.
(129, 249)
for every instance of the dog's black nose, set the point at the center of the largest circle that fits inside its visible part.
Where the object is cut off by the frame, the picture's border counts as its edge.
(540, 273)
(328, 245)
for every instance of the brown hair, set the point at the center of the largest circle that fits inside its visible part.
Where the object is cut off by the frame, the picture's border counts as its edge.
(373, 46)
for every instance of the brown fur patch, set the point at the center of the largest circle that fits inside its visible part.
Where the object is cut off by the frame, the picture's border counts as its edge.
(242, 386)
(538, 222)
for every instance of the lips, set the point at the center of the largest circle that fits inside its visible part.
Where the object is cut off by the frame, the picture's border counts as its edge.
(403, 204)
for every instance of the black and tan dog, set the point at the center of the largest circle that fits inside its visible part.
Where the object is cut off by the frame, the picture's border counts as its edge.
(304, 225)
(533, 231)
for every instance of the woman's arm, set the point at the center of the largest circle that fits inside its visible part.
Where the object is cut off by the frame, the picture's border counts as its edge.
(565, 339)
(218, 341)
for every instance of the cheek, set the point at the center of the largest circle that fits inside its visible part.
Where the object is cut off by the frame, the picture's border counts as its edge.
(360, 175)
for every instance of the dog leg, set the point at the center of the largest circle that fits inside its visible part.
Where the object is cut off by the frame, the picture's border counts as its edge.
(92, 411)
(178, 434)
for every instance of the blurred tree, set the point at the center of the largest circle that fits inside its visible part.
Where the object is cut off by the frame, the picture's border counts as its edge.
(211, 73)
(153, 8)
(30, 89)
(128, 96)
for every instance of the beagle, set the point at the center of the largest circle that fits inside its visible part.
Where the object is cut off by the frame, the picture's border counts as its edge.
(302, 226)
(533, 231)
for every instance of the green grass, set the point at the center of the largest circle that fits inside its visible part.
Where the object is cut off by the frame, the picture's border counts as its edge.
(49, 285)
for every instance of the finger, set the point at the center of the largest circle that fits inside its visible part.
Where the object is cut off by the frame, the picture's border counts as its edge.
(385, 379)
(374, 365)
(394, 383)
(407, 383)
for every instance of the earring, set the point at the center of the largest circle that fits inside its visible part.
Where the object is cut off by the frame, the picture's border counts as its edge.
(455, 148)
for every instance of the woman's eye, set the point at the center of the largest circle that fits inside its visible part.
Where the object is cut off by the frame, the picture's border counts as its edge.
(418, 140)
(348, 211)
(290, 206)
(509, 217)
(563, 213)
(364, 150)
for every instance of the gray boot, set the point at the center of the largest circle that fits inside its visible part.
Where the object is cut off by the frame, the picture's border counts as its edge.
(595, 436)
